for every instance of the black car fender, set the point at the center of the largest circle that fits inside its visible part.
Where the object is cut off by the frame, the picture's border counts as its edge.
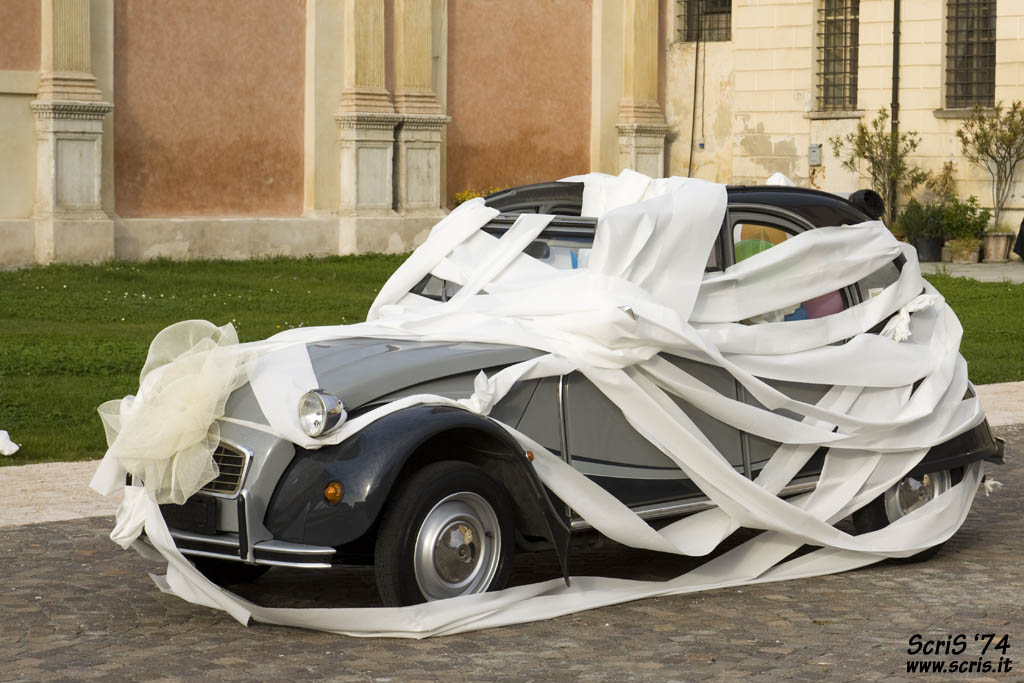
(369, 463)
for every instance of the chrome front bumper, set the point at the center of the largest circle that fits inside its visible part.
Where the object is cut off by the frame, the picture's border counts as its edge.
(197, 536)
(226, 546)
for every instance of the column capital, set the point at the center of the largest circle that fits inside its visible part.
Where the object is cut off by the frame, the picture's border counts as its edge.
(636, 129)
(46, 109)
(427, 122)
(367, 120)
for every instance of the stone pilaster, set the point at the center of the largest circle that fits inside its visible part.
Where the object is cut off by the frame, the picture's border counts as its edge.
(641, 125)
(414, 92)
(66, 52)
(364, 75)
(366, 119)
(419, 136)
(70, 222)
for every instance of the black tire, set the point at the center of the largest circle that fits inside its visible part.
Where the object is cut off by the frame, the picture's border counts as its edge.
(875, 516)
(227, 572)
(469, 518)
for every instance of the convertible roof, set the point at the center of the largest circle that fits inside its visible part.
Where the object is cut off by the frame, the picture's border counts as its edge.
(566, 199)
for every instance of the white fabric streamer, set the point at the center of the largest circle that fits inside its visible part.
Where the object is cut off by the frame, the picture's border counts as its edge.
(643, 292)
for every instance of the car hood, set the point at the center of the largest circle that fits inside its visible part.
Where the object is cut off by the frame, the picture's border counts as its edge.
(359, 370)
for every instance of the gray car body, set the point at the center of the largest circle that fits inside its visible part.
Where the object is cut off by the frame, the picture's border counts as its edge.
(362, 372)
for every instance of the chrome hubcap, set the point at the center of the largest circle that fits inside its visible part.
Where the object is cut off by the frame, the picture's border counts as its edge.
(456, 552)
(913, 492)
(458, 547)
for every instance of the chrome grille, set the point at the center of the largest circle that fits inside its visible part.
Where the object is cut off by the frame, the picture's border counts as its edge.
(232, 463)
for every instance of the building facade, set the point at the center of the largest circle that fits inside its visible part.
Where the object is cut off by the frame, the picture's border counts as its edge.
(240, 128)
(777, 78)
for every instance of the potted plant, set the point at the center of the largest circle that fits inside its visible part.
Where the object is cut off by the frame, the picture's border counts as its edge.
(922, 225)
(886, 157)
(965, 250)
(964, 222)
(997, 244)
(994, 141)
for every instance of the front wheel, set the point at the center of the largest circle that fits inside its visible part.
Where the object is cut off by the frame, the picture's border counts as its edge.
(901, 499)
(448, 531)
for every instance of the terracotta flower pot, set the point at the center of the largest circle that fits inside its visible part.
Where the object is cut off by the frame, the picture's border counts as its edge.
(997, 246)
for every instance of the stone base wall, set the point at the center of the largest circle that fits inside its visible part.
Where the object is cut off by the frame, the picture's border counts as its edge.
(17, 243)
(30, 242)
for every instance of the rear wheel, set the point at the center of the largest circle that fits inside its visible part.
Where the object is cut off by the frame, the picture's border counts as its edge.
(448, 531)
(901, 499)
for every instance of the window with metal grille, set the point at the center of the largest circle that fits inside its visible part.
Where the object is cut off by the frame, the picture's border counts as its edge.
(970, 53)
(838, 35)
(703, 20)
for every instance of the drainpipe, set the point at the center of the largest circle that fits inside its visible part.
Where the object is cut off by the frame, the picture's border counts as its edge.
(696, 62)
(895, 109)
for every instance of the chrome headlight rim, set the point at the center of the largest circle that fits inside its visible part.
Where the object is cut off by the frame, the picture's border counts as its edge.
(320, 412)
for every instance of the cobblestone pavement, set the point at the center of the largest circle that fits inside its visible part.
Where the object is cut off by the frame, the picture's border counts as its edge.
(73, 606)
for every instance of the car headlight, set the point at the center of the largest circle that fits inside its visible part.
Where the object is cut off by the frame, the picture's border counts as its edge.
(320, 412)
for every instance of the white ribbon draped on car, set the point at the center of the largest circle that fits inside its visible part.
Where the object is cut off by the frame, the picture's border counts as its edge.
(644, 291)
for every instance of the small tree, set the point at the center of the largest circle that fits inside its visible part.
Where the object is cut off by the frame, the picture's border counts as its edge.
(995, 143)
(886, 162)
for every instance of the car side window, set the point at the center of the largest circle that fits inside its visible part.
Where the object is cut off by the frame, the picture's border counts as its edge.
(751, 236)
(562, 253)
(873, 284)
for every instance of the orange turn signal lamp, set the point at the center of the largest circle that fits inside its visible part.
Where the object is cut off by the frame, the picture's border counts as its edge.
(333, 492)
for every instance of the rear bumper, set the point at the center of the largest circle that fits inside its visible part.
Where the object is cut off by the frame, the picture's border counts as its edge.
(971, 446)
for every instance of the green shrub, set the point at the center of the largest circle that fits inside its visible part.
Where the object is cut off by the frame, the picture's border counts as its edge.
(921, 221)
(964, 220)
(964, 247)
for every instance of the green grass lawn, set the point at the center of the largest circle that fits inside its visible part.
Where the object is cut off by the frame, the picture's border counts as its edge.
(72, 337)
(992, 314)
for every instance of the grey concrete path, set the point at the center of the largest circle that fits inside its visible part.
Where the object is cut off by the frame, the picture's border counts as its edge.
(1012, 271)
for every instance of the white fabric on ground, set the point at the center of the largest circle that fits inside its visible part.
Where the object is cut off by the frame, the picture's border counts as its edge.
(644, 291)
(7, 447)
